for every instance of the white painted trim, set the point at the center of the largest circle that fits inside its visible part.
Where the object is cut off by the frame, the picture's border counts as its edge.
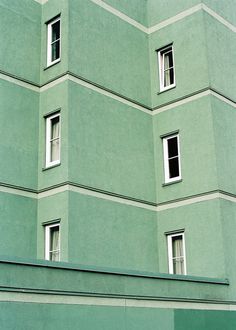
(181, 102)
(48, 147)
(166, 159)
(19, 82)
(49, 42)
(48, 239)
(170, 251)
(223, 99)
(106, 93)
(87, 192)
(19, 192)
(119, 14)
(219, 18)
(115, 302)
(175, 18)
(164, 23)
(161, 65)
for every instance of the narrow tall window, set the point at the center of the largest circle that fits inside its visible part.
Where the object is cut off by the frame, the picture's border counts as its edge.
(52, 242)
(54, 41)
(176, 253)
(53, 140)
(171, 158)
(166, 68)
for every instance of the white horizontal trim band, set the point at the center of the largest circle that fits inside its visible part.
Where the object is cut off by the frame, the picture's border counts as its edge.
(19, 82)
(116, 199)
(164, 23)
(109, 302)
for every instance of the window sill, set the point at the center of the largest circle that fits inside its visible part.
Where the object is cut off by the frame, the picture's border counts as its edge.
(167, 89)
(172, 182)
(52, 64)
(49, 167)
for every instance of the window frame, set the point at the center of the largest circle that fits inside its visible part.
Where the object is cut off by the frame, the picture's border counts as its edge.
(166, 158)
(48, 161)
(47, 229)
(170, 251)
(49, 41)
(161, 52)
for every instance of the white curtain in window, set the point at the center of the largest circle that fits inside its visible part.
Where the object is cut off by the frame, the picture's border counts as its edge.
(55, 139)
(54, 248)
(178, 260)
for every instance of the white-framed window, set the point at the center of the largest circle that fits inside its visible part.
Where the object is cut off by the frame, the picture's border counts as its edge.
(52, 242)
(54, 41)
(171, 152)
(53, 139)
(176, 253)
(166, 68)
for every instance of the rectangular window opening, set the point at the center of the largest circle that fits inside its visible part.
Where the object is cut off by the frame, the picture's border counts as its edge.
(52, 242)
(171, 153)
(53, 41)
(166, 68)
(53, 140)
(176, 254)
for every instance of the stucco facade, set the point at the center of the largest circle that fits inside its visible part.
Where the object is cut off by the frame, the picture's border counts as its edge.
(108, 189)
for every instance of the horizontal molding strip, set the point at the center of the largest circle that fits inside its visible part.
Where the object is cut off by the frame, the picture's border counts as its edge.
(169, 21)
(89, 191)
(99, 89)
(50, 298)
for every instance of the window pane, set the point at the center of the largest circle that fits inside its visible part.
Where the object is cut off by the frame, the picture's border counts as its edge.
(55, 147)
(55, 126)
(54, 256)
(174, 167)
(178, 266)
(168, 60)
(55, 50)
(54, 241)
(177, 246)
(172, 147)
(56, 31)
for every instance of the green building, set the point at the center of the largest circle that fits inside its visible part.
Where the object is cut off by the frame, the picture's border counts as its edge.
(117, 164)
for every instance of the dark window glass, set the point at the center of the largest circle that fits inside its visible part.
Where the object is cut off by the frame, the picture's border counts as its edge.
(56, 31)
(55, 50)
(174, 167)
(172, 147)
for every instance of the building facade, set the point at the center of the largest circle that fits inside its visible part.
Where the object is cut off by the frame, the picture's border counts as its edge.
(117, 171)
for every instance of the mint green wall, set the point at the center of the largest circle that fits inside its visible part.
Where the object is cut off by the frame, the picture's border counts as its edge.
(53, 99)
(224, 123)
(18, 227)
(18, 135)
(114, 56)
(106, 233)
(221, 45)
(189, 43)
(223, 9)
(203, 243)
(135, 9)
(197, 149)
(20, 38)
(110, 145)
(159, 10)
(52, 208)
(51, 9)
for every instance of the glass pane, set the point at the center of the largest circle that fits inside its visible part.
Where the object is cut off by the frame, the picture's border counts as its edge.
(55, 146)
(174, 167)
(168, 60)
(55, 127)
(54, 256)
(55, 31)
(168, 77)
(172, 147)
(54, 238)
(177, 246)
(178, 266)
(55, 50)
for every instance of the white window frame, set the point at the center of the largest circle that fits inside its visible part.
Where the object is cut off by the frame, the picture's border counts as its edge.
(161, 54)
(166, 158)
(48, 239)
(49, 42)
(170, 251)
(49, 119)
